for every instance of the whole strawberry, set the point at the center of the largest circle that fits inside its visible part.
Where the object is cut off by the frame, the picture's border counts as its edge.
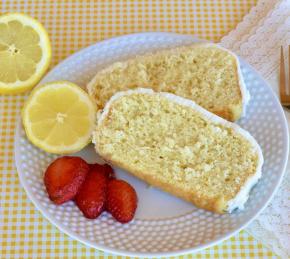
(63, 178)
(91, 197)
(121, 200)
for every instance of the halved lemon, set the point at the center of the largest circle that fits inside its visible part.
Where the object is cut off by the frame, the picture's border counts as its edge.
(25, 52)
(59, 117)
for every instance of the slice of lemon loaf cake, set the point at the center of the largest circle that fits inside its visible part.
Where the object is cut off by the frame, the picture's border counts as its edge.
(176, 145)
(204, 72)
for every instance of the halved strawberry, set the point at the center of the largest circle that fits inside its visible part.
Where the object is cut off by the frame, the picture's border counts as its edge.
(104, 168)
(121, 200)
(63, 178)
(91, 197)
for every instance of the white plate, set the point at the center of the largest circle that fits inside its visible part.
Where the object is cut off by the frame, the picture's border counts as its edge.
(164, 225)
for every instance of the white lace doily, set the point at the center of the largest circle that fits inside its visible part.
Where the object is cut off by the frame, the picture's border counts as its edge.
(258, 39)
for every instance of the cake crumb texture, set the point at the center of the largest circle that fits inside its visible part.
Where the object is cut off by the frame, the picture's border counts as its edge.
(176, 148)
(204, 73)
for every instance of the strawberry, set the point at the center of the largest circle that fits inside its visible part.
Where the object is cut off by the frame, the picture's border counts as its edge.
(63, 178)
(91, 197)
(105, 168)
(121, 200)
(109, 170)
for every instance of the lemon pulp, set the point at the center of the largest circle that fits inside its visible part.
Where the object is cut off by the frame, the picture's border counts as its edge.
(25, 52)
(59, 117)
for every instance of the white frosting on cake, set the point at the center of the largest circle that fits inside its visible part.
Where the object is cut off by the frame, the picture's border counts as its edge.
(243, 194)
(244, 91)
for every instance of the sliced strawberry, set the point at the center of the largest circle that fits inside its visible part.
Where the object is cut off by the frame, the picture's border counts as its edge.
(104, 168)
(91, 197)
(109, 170)
(121, 200)
(63, 178)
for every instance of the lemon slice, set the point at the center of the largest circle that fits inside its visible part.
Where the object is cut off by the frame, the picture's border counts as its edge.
(59, 117)
(25, 52)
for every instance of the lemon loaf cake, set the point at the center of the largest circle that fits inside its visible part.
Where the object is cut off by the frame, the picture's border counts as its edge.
(172, 143)
(204, 72)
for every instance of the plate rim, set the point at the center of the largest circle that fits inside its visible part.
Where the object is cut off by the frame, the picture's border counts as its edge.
(123, 252)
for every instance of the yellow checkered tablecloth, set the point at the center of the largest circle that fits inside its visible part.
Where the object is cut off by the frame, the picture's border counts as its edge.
(72, 25)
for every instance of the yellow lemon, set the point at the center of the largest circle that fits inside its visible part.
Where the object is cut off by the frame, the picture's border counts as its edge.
(59, 117)
(25, 52)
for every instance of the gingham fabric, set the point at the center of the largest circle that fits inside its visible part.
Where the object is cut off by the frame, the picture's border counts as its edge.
(72, 25)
